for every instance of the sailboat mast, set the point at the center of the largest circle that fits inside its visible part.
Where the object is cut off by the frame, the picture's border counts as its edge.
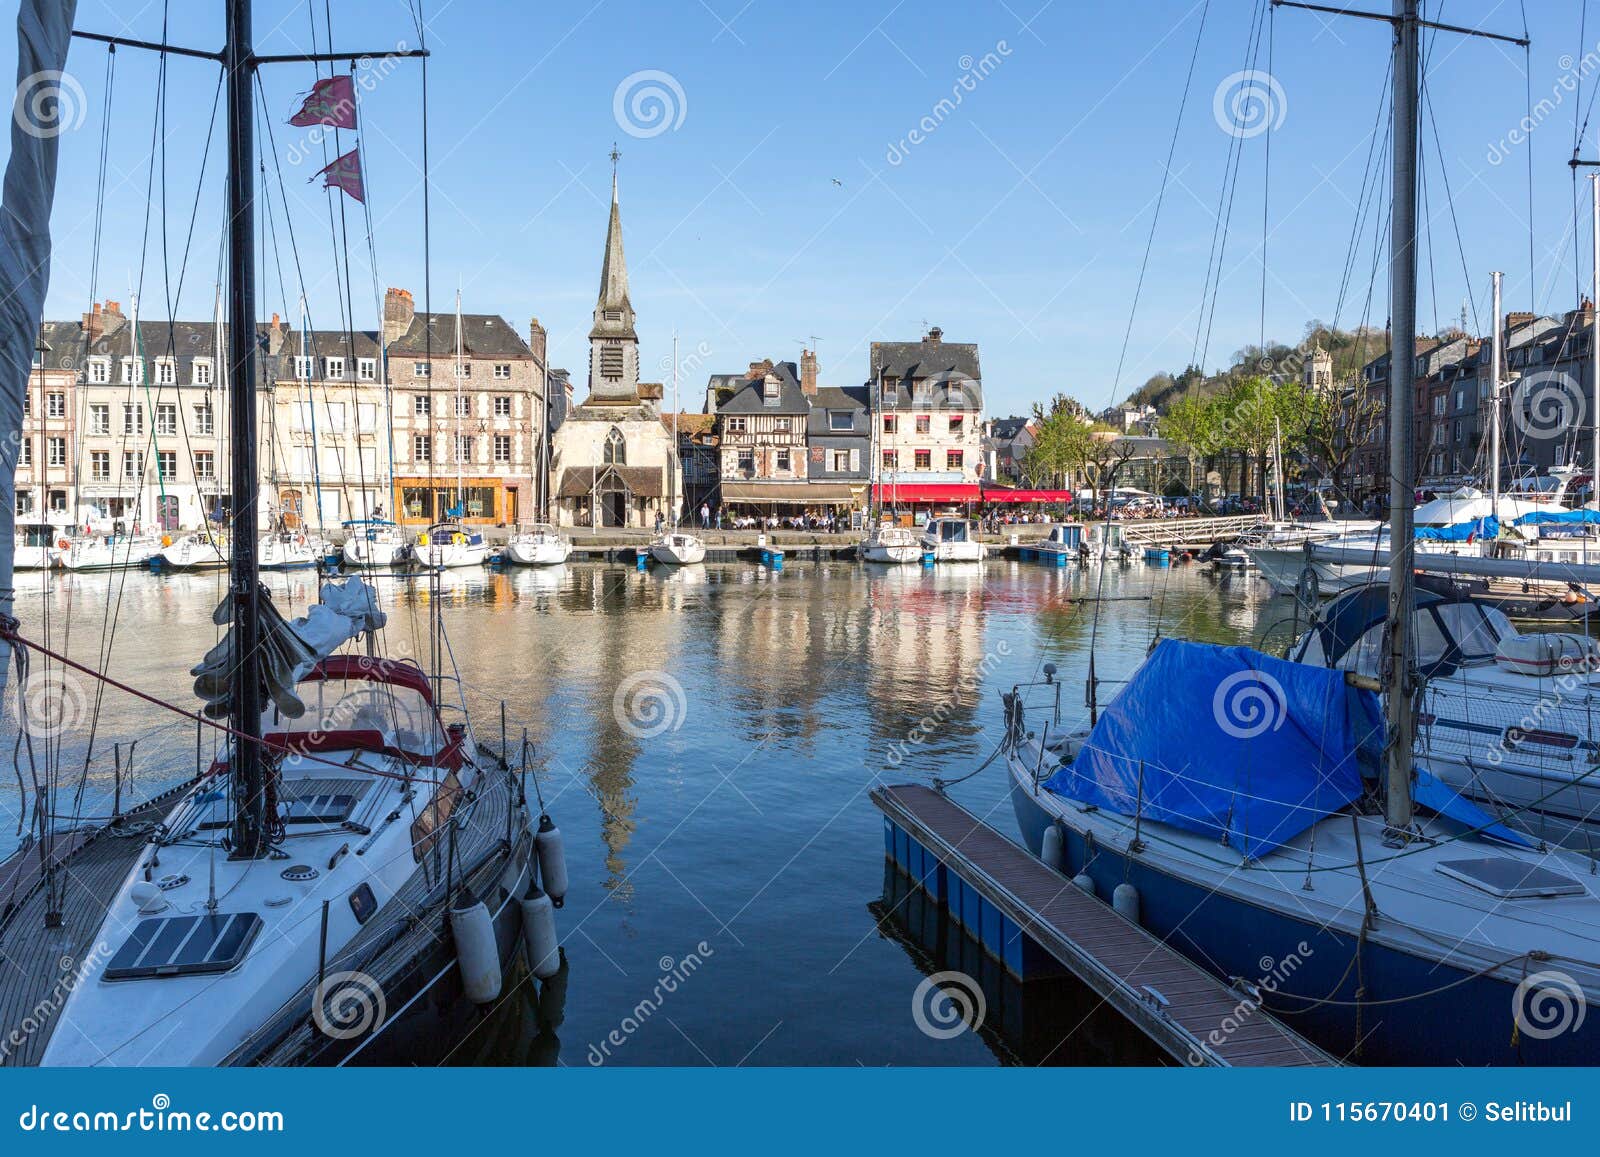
(1594, 351)
(1496, 375)
(1402, 355)
(249, 823)
(672, 473)
(455, 451)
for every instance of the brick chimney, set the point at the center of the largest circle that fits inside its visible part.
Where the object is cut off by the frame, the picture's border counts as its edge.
(277, 335)
(398, 310)
(935, 335)
(808, 371)
(538, 341)
(759, 370)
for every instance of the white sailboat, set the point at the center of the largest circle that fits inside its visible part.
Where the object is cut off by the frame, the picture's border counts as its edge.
(99, 552)
(345, 825)
(674, 546)
(35, 546)
(538, 545)
(886, 542)
(373, 544)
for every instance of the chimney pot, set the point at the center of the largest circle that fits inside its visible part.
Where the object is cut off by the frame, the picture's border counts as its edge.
(935, 335)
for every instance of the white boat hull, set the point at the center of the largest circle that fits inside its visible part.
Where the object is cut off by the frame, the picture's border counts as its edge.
(193, 554)
(92, 554)
(957, 551)
(686, 555)
(890, 553)
(543, 553)
(364, 553)
(33, 558)
(276, 554)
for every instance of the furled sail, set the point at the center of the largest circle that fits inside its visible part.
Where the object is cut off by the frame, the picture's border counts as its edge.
(289, 649)
(44, 31)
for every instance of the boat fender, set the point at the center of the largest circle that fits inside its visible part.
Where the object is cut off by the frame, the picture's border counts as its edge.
(1125, 901)
(1053, 849)
(552, 860)
(1084, 881)
(476, 951)
(539, 933)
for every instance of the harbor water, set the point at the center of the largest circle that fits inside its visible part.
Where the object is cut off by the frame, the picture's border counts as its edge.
(706, 738)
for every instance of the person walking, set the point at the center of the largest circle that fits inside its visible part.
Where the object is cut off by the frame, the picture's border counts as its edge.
(705, 516)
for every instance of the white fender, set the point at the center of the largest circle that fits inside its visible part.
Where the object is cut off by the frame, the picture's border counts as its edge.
(552, 860)
(476, 952)
(539, 933)
(1125, 901)
(1053, 849)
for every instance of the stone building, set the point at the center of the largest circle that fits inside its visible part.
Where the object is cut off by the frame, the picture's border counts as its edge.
(611, 459)
(927, 397)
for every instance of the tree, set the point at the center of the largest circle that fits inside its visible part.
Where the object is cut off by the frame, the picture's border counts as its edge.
(1338, 425)
(1190, 424)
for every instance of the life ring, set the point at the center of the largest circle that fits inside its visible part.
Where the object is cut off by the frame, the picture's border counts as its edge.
(63, 544)
(458, 539)
(299, 540)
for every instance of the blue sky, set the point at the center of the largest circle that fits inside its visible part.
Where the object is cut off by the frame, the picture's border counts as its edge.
(786, 197)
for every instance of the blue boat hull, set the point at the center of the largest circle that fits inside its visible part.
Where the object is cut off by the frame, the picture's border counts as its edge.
(1310, 976)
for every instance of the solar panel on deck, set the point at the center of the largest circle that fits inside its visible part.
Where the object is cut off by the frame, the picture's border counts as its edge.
(184, 945)
(1510, 879)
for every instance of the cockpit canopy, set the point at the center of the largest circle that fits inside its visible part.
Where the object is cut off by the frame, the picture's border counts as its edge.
(1450, 633)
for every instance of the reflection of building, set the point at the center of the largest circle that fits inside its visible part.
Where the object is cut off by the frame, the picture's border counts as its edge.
(610, 458)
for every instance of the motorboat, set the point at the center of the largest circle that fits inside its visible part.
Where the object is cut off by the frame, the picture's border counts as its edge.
(447, 545)
(1104, 540)
(953, 539)
(373, 544)
(538, 545)
(677, 548)
(36, 546)
(891, 544)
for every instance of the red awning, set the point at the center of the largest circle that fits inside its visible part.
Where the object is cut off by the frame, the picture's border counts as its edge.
(1019, 496)
(935, 492)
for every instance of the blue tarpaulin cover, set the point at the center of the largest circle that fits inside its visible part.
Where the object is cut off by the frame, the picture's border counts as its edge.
(1485, 527)
(1429, 792)
(1232, 743)
(1560, 517)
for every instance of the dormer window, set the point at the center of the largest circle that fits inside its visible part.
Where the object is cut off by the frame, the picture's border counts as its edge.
(302, 368)
(367, 369)
(769, 389)
(333, 368)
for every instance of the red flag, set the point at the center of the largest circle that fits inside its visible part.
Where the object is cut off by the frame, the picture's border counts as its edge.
(345, 173)
(332, 102)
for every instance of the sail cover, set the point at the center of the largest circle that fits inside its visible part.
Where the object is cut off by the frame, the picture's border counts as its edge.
(44, 30)
(1227, 742)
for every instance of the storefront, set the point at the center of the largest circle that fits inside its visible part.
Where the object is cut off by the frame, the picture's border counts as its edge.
(785, 502)
(913, 503)
(485, 501)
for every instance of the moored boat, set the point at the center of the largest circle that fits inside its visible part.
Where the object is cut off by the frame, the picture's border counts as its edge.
(538, 545)
(678, 548)
(952, 538)
(891, 544)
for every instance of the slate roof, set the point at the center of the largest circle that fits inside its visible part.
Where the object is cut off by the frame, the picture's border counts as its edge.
(852, 398)
(751, 399)
(483, 335)
(924, 359)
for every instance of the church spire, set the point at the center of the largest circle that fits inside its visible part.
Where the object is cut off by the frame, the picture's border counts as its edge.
(614, 273)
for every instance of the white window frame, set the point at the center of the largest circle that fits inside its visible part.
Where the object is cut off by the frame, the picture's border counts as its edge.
(367, 369)
(302, 367)
(333, 369)
(100, 418)
(100, 371)
(132, 371)
(502, 441)
(422, 369)
(502, 370)
(421, 406)
(200, 372)
(422, 448)
(502, 405)
(166, 372)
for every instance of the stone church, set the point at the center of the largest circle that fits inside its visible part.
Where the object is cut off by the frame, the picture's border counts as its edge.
(612, 460)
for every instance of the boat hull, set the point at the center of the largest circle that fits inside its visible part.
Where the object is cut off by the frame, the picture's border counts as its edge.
(957, 551)
(363, 553)
(678, 555)
(538, 553)
(1462, 1019)
(880, 552)
(98, 555)
(190, 555)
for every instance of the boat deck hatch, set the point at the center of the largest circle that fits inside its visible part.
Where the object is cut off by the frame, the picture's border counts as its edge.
(310, 809)
(1510, 879)
(184, 945)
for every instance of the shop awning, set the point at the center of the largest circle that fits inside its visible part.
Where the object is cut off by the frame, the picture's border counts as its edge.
(935, 492)
(1023, 496)
(788, 493)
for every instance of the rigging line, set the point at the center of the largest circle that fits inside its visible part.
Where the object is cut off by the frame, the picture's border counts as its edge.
(1366, 203)
(1455, 221)
(1219, 223)
(1527, 84)
(1232, 193)
(1266, 180)
(1161, 193)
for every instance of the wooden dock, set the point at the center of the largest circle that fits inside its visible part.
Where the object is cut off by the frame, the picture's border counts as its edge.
(1020, 908)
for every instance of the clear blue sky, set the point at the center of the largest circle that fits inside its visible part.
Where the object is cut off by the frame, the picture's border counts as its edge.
(771, 210)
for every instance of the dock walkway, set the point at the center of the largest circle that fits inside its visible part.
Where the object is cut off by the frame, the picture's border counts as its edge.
(1017, 905)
